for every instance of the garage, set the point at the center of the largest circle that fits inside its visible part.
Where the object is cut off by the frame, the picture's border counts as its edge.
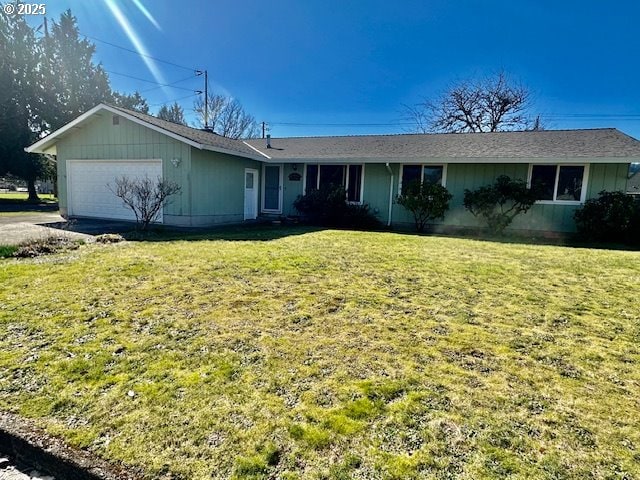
(89, 184)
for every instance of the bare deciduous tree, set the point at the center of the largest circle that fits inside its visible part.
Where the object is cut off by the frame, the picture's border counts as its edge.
(144, 196)
(489, 105)
(227, 117)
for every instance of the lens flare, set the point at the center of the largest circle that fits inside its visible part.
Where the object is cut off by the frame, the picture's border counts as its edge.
(135, 39)
(146, 13)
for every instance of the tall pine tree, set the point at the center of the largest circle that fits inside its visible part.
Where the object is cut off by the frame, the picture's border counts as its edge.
(20, 100)
(78, 83)
(45, 84)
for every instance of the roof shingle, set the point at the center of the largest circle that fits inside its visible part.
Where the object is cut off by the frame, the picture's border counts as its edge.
(594, 143)
(202, 137)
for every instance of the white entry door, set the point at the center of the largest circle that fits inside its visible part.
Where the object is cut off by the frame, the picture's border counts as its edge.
(250, 194)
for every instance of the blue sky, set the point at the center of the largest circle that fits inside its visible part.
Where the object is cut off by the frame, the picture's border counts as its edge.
(309, 62)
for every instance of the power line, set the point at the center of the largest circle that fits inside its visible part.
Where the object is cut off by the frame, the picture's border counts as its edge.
(171, 85)
(151, 81)
(297, 124)
(174, 100)
(136, 52)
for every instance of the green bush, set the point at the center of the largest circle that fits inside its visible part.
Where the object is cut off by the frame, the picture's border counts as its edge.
(612, 217)
(500, 203)
(328, 206)
(426, 201)
(7, 250)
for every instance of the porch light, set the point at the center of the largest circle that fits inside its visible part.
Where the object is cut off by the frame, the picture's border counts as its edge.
(176, 162)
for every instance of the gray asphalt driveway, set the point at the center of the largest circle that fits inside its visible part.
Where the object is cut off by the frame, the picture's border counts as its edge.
(15, 229)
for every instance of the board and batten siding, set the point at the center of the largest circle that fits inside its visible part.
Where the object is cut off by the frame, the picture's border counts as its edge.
(461, 176)
(99, 139)
(217, 187)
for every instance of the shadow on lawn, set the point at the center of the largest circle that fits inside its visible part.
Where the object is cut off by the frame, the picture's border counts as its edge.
(19, 205)
(515, 238)
(251, 232)
(267, 231)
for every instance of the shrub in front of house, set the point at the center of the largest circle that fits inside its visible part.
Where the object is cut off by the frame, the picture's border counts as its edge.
(612, 217)
(426, 201)
(500, 202)
(327, 206)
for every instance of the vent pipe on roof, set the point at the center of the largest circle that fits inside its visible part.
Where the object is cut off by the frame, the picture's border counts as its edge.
(268, 140)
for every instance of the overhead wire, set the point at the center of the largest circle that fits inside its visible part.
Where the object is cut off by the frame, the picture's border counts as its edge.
(138, 53)
(159, 85)
(173, 100)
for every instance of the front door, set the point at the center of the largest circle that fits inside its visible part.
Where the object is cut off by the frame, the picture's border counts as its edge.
(272, 188)
(250, 194)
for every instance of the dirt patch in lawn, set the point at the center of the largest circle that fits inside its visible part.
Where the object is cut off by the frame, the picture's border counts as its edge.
(28, 445)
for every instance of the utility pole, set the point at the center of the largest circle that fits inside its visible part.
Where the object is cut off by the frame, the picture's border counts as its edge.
(206, 99)
(206, 96)
(264, 126)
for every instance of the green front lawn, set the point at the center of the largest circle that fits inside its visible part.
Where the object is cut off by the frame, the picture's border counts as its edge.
(331, 354)
(13, 197)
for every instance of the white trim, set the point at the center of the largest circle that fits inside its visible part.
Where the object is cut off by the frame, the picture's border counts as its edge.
(229, 152)
(345, 178)
(448, 160)
(304, 180)
(390, 195)
(43, 145)
(36, 147)
(255, 173)
(443, 182)
(281, 180)
(256, 150)
(555, 201)
(346, 183)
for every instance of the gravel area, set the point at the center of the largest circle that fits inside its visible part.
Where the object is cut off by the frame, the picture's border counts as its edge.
(10, 471)
(16, 233)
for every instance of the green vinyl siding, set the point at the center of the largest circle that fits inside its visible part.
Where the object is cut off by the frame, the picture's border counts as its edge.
(99, 139)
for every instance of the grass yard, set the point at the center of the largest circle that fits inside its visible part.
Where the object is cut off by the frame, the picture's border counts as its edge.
(24, 196)
(15, 204)
(331, 355)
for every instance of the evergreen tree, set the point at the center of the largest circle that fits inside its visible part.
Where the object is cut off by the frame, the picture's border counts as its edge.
(174, 114)
(78, 83)
(133, 101)
(20, 100)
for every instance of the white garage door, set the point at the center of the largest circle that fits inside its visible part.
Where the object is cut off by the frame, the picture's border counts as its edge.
(88, 182)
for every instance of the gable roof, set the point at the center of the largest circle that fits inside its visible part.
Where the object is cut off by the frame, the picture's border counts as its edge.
(605, 144)
(192, 136)
(545, 144)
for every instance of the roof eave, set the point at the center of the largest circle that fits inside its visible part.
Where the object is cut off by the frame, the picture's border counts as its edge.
(212, 148)
(440, 160)
(45, 144)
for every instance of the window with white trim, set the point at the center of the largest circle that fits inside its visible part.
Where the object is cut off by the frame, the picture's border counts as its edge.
(423, 173)
(350, 177)
(559, 183)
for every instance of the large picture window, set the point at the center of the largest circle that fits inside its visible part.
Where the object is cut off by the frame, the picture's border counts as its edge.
(422, 173)
(559, 183)
(351, 177)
